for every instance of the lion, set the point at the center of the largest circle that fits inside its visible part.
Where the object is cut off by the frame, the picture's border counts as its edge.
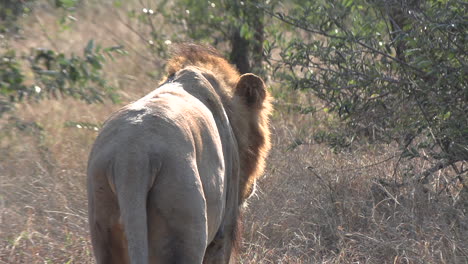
(169, 174)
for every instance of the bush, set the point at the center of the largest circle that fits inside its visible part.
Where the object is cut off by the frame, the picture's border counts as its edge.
(10, 10)
(393, 71)
(56, 75)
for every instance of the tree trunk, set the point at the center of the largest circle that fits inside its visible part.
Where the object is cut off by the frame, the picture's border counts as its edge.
(240, 52)
(256, 17)
(247, 54)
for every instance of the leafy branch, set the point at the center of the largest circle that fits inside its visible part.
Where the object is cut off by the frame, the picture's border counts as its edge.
(57, 75)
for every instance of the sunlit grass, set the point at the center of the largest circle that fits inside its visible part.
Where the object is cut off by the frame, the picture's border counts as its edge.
(312, 205)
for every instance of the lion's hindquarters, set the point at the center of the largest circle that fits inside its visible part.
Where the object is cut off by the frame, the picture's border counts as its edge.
(139, 211)
(107, 234)
(177, 215)
(129, 182)
(119, 175)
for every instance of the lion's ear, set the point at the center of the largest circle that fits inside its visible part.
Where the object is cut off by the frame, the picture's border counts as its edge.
(252, 89)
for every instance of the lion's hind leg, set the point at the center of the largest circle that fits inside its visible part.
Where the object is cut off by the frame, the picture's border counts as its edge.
(107, 234)
(110, 246)
(177, 219)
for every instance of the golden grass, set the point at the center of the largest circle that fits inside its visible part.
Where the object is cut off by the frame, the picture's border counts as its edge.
(315, 206)
(312, 206)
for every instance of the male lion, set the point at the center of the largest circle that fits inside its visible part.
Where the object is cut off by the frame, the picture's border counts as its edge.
(168, 174)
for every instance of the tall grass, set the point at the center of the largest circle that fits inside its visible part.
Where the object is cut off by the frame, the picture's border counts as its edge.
(312, 206)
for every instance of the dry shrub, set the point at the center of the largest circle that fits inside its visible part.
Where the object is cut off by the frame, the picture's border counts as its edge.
(317, 206)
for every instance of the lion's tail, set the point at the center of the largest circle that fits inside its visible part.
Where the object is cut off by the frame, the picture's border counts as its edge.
(131, 179)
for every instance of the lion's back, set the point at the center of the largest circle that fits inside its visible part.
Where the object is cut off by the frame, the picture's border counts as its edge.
(169, 122)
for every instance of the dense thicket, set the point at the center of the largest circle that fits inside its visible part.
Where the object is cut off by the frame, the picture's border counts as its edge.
(393, 71)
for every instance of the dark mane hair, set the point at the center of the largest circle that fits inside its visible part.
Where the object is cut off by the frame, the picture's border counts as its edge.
(190, 50)
(206, 57)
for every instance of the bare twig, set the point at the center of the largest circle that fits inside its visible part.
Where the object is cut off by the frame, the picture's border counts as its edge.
(296, 23)
(358, 168)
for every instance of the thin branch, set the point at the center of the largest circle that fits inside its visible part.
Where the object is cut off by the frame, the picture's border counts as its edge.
(457, 177)
(295, 23)
(424, 177)
(117, 39)
(310, 168)
(132, 29)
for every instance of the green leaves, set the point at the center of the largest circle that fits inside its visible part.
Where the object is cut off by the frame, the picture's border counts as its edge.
(11, 81)
(11, 77)
(56, 75)
(390, 72)
(10, 10)
(67, 4)
(247, 32)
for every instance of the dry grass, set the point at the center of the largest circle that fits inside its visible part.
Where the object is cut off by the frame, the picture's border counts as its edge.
(315, 206)
(312, 206)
